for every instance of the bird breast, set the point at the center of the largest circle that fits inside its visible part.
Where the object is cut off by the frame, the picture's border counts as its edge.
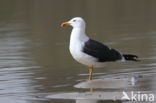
(76, 49)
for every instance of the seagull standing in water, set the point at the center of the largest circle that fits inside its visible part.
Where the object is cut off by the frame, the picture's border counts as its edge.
(90, 52)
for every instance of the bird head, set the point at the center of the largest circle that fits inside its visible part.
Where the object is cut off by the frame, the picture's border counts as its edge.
(76, 22)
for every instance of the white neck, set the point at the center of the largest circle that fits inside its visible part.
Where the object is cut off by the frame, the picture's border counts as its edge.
(77, 40)
(78, 34)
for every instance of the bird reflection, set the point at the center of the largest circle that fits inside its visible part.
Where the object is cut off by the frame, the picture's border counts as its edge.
(94, 96)
(104, 84)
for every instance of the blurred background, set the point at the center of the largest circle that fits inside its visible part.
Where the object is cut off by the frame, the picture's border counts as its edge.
(34, 56)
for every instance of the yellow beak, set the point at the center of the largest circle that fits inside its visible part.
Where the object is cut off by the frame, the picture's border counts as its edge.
(65, 24)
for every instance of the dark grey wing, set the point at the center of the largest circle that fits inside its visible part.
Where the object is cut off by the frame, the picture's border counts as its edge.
(101, 51)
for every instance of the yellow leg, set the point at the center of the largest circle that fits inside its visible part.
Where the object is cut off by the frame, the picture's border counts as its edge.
(91, 89)
(90, 77)
(90, 73)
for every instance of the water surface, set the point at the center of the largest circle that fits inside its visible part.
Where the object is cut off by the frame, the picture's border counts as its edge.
(35, 61)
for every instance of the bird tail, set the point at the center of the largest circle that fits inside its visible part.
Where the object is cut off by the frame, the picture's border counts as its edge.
(131, 57)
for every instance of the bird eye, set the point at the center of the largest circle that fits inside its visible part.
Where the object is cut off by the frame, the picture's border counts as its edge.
(74, 20)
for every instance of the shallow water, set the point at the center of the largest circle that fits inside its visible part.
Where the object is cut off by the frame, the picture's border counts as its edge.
(35, 61)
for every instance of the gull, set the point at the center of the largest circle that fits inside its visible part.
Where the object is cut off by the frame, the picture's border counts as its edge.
(90, 52)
